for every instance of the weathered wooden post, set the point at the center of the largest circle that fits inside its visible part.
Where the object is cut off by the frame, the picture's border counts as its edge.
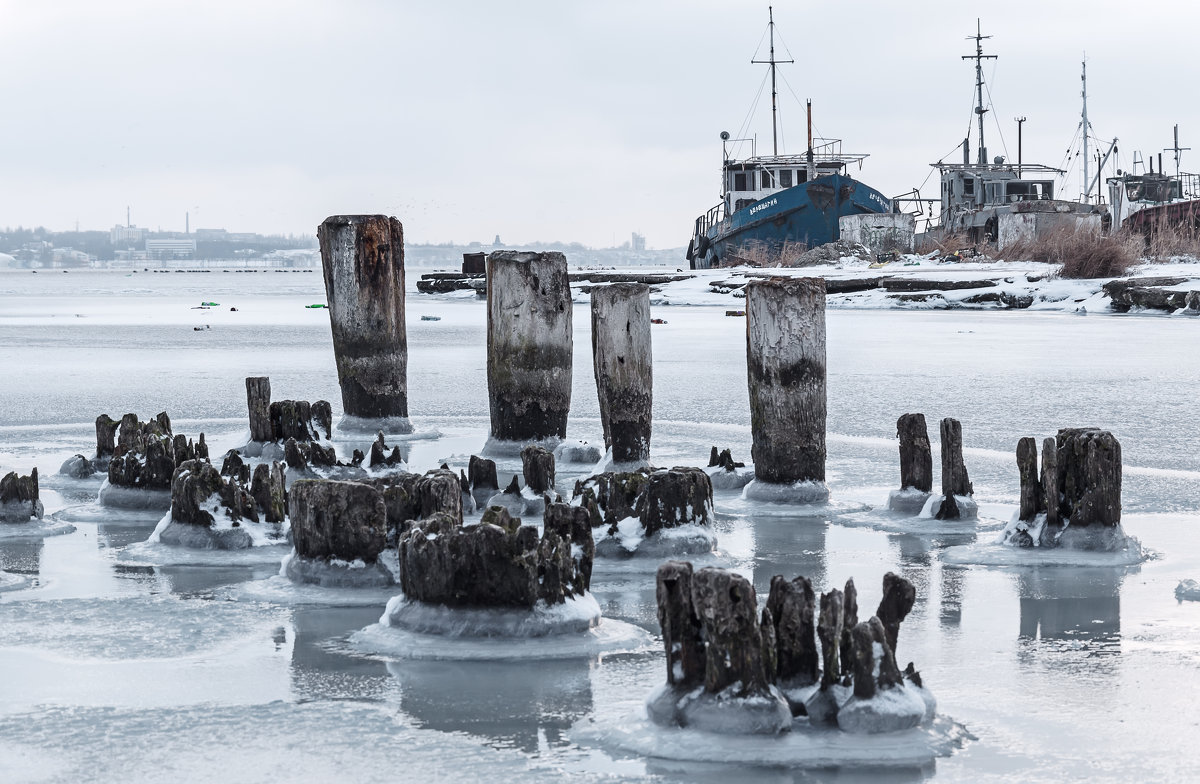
(529, 348)
(785, 357)
(621, 357)
(954, 473)
(258, 401)
(1032, 496)
(1089, 476)
(363, 261)
(916, 465)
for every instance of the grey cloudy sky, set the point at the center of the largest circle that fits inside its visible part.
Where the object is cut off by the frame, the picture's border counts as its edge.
(571, 121)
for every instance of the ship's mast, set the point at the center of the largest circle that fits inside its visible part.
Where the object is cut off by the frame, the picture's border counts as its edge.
(1177, 150)
(1087, 181)
(979, 57)
(772, 62)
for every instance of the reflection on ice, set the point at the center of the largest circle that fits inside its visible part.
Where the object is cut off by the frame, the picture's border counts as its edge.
(509, 702)
(1082, 605)
(319, 672)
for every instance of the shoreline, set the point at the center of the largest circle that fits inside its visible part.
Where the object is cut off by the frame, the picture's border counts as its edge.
(910, 283)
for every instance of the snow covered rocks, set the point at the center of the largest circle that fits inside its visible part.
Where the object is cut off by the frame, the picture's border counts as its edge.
(660, 512)
(497, 578)
(529, 348)
(734, 670)
(785, 353)
(1075, 501)
(143, 461)
(236, 511)
(621, 356)
(339, 530)
(362, 257)
(19, 501)
(916, 465)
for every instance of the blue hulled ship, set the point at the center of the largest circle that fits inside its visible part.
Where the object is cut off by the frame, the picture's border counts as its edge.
(776, 203)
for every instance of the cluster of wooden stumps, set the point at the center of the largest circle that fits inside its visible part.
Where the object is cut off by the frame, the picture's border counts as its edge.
(20, 501)
(1075, 499)
(734, 668)
(916, 470)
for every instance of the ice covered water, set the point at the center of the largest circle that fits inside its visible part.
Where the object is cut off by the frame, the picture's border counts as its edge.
(120, 658)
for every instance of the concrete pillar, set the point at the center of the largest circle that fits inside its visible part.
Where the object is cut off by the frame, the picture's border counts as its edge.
(785, 357)
(621, 357)
(529, 347)
(363, 261)
(258, 401)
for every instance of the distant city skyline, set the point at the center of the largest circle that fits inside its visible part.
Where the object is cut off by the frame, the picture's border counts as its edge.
(538, 121)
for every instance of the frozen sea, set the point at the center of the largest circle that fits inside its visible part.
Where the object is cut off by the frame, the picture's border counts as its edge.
(118, 663)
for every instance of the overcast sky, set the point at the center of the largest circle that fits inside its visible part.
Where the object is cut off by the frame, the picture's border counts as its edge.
(569, 121)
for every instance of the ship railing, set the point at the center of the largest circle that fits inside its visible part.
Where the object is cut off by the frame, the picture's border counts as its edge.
(709, 219)
(1189, 185)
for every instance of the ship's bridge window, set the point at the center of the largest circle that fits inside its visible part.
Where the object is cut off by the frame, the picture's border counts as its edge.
(739, 181)
(968, 186)
(1030, 190)
(766, 179)
(785, 178)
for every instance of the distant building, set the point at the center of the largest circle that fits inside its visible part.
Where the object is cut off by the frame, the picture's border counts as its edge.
(638, 242)
(126, 236)
(171, 249)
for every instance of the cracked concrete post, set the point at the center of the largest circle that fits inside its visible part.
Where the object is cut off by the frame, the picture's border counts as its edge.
(785, 356)
(622, 361)
(529, 347)
(363, 261)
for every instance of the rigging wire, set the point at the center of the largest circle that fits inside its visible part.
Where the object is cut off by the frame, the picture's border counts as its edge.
(745, 126)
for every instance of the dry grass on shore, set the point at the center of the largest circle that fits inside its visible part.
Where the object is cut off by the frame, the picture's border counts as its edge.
(1167, 242)
(1082, 254)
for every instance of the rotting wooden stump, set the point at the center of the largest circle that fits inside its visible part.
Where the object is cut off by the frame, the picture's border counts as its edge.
(1089, 476)
(791, 603)
(363, 261)
(537, 469)
(955, 481)
(258, 402)
(1032, 495)
(916, 455)
(529, 344)
(621, 355)
(727, 608)
(337, 520)
(106, 435)
(785, 353)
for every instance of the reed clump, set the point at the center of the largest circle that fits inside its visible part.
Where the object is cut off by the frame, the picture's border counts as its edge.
(1081, 253)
